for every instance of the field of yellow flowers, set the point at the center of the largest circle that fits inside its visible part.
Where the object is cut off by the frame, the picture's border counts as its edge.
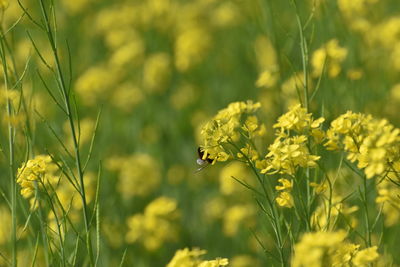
(202, 133)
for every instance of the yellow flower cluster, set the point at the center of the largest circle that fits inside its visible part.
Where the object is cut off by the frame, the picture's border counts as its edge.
(267, 62)
(330, 55)
(192, 258)
(286, 155)
(157, 225)
(225, 128)
(373, 143)
(36, 173)
(298, 120)
(131, 171)
(288, 152)
(331, 249)
(285, 199)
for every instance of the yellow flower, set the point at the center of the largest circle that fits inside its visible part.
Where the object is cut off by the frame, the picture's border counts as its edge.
(249, 152)
(298, 120)
(365, 257)
(228, 185)
(244, 261)
(287, 154)
(36, 173)
(95, 83)
(156, 72)
(286, 184)
(317, 249)
(285, 199)
(237, 216)
(131, 171)
(156, 226)
(267, 62)
(319, 188)
(131, 53)
(191, 46)
(192, 258)
(266, 79)
(371, 142)
(224, 129)
(330, 55)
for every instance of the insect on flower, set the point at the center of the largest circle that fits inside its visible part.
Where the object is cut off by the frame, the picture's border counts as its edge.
(202, 162)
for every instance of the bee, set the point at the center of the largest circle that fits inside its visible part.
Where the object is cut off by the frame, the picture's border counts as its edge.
(203, 162)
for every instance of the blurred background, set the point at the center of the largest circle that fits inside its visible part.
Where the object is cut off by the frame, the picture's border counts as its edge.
(157, 70)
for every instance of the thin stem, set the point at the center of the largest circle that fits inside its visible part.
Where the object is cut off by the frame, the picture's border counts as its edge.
(11, 163)
(367, 222)
(304, 54)
(66, 98)
(274, 212)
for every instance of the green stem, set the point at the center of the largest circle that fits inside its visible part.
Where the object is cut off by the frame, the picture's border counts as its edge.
(11, 163)
(304, 54)
(274, 212)
(367, 223)
(68, 109)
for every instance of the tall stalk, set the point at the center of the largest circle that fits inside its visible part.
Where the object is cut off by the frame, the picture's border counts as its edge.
(11, 157)
(67, 104)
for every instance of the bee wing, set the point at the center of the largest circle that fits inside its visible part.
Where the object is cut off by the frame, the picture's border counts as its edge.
(202, 163)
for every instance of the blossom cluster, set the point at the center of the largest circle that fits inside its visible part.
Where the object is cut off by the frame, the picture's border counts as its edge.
(227, 127)
(331, 249)
(156, 226)
(36, 173)
(373, 143)
(192, 258)
(290, 149)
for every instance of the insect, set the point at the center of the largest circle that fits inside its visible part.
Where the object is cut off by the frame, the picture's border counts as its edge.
(203, 162)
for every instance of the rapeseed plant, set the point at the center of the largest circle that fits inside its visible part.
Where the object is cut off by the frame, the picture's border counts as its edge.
(101, 99)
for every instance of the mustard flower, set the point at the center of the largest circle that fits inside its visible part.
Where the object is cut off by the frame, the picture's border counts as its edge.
(131, 171)
(373, 143)
(238, 216)
(191, 46)
(156, 226)
(285, 199)
(287, 154)
(298, 120)
(192, 258)
(285, 184)
(244, 261)
(365, 257)
(330, 55)
(225, 15)
(319, 188)
(267, 62)
(157, 72)
(249, 152)
(228, 186)
(36, 173)
(224, 129)
(95, 83)
(317, 249)
(330, 249)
